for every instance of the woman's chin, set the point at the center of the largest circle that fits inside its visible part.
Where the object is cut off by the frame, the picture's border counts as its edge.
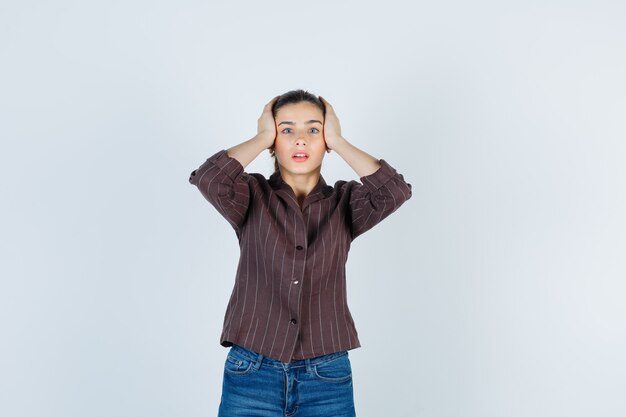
(301, 168)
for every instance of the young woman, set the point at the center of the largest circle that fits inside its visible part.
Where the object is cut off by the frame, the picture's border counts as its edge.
(287, 322)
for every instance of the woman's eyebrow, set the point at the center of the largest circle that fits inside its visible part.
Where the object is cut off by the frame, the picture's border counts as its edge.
(292, 123)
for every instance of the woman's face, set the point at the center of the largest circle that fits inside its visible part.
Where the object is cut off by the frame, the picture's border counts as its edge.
(299, 129)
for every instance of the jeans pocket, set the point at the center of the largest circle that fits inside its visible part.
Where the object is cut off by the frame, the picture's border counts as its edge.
(335, 370)
(238, 365)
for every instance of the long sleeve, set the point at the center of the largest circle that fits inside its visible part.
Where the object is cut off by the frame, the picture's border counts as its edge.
(222, 182)
(379, 195)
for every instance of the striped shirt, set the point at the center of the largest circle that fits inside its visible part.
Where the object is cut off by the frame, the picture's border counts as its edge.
(289, 299)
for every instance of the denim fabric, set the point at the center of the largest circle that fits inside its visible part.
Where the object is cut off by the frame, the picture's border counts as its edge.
(255, 385)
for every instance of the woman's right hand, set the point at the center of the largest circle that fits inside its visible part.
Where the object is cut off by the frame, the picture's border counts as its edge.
(266, 125)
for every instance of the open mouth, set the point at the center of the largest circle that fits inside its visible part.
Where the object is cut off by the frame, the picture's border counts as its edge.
(300, 156)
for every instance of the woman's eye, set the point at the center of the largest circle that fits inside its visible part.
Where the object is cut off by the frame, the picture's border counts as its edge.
(312, 130)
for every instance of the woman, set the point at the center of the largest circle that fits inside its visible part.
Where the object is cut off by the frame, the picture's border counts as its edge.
(287, 321)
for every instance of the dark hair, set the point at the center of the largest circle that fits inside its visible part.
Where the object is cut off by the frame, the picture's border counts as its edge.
(293, 97)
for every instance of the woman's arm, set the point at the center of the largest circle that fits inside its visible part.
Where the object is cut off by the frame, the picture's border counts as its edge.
(377, 196)
(361, 162)
(247, 151)
(219, 178)
(220, 181)
(382, 189)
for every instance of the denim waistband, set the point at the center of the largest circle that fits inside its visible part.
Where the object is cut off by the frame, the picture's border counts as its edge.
(241, 351)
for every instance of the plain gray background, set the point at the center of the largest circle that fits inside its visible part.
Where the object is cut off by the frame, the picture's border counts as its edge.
(503, 282)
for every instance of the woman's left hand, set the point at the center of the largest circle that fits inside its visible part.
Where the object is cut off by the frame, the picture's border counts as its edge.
(332, 128)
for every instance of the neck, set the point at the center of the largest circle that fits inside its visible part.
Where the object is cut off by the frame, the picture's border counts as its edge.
(301, 184)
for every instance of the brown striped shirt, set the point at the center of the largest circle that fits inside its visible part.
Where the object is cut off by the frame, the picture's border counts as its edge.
(289, 299)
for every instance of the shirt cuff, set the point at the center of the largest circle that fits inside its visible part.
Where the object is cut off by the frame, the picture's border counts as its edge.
(227, 164)
(380, 177)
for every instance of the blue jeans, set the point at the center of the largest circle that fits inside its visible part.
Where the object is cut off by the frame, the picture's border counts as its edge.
(257, 386)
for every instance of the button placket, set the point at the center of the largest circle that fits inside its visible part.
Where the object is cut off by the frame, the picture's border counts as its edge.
(300, 235)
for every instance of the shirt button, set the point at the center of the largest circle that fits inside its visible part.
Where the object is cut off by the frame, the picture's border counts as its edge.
(299, 247)
(296, 282)
(293, 321)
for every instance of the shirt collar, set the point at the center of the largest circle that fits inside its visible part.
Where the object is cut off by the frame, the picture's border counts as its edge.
(320, 190)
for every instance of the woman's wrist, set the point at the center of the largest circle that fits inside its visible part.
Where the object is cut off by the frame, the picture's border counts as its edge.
(265, 139)
(338, 144)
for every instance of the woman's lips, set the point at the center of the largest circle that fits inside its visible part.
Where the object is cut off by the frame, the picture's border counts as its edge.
(300, 156)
